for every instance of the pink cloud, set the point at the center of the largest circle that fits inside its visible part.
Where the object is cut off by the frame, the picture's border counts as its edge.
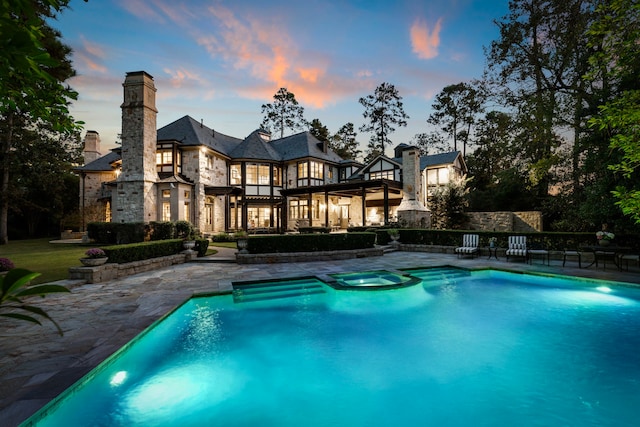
(425, 45)
(90, 56)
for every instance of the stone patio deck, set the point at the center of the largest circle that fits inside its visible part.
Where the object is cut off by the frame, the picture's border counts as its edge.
(36, 364)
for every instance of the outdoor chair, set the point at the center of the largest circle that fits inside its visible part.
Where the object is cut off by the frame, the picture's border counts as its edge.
(629, 257)
(538, 250)
(469, 245)
(571, 253)
(517, 247)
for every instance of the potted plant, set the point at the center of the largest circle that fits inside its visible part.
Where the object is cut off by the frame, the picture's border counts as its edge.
(394, 234)
(94, 257)
(604, 237)
(492, 242)
(5, 265)
(186, 232)
(242, 241)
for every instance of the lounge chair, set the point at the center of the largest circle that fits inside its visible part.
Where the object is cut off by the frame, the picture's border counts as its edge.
(469, 245)
(517, 247)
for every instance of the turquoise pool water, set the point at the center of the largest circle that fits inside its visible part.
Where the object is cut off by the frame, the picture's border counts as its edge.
(481, 349)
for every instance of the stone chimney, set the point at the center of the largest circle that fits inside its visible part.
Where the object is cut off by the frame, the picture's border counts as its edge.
(411, 211)
(91, 150)
(136, 198)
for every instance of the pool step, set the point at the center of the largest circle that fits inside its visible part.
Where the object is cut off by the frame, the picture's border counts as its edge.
(269, 291)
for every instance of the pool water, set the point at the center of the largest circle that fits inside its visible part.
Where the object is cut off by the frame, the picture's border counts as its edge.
(484, 349)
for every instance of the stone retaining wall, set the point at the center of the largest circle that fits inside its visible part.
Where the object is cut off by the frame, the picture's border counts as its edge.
(108, 272)
(505, 221)
(306, 256)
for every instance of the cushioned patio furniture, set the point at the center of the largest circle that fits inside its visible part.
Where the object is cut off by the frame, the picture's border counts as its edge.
(469, 245)
(517, 247)
(571, 253)
(538, 251)
(629, 257)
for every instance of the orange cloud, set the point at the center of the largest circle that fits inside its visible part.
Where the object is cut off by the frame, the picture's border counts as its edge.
(425, 45)
(90, 56)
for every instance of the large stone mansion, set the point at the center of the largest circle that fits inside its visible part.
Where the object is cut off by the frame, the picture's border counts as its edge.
(188, 171)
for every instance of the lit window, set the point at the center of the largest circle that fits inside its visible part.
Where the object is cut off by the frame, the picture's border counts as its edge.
(166, 211)
(303, 170)
(252, 174)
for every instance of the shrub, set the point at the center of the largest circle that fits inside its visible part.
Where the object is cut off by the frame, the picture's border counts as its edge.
(139, 251)
(310, 242)
(184, 230)
(163, 230)
(116, 233)
(223, 237)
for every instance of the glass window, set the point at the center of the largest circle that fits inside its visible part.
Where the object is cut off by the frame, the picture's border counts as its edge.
(317, 170)
(166, 193)
(252, 174)
(236, 175)
(263, 174)
(166, 211)
(390, 174)
(443, 176)
(303, 170)
(187, 211)
(277, 176)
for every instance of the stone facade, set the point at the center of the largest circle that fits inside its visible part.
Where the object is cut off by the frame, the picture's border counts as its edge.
(505, 221)
(411, 210)
(136, 192)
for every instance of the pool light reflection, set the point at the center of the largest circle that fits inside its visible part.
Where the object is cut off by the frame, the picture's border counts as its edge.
(604, 289)
(118, 378)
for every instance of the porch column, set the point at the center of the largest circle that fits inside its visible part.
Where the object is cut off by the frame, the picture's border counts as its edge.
(386, 203)
(310, 209)
(326, 208)
(364, 206)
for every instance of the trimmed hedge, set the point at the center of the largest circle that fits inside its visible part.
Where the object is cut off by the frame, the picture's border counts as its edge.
(120, 254)
(138, 251)
(554, 241)
(114, 233)
(310, 242)
(162, 230)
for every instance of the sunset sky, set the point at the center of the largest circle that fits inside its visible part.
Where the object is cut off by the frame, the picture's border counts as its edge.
(219, 61)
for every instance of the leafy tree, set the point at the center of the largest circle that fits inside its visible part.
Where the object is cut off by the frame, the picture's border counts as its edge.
(320, 131)
(34, 65)
(432, 142)
(455, 109)
(494, 152)
(617, 62)
(344, 143)
(283, 113)
(535, 67)
(373, 151)
(448, 204)
(383, 110)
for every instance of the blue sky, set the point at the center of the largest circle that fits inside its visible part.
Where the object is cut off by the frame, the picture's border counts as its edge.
(219, 61)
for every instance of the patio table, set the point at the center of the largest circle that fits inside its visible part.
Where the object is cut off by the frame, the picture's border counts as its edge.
(603, 253)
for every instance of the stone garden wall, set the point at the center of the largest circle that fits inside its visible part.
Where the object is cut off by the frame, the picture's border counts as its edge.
(505, 221)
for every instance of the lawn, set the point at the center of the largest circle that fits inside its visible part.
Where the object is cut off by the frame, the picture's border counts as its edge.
(52, 260)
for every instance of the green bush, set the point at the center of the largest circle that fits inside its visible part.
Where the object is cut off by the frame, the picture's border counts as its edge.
(116, 233)
(162, 230)
(555, 241)
(310, 242)
(223, 237)
(184, 230)
(139, 251)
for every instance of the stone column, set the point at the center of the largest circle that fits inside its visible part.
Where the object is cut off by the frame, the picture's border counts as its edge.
(136, 195)
(91, 149)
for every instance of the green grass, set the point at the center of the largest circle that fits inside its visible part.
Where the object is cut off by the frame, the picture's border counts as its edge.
(52, 260)
(232, 245)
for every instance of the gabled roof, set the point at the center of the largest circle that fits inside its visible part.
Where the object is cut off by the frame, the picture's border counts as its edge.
(439, 159)
(376, 160)
(303, 145)
(254, 147)
(102, 164)
(188, 131)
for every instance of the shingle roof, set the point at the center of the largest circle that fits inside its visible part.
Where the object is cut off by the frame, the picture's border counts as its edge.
(303, 145)
(103, 164)
(434, 159)
(254, 147)
(188, 131)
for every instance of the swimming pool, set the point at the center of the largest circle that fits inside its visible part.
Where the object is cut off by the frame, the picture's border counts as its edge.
(460, 348)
